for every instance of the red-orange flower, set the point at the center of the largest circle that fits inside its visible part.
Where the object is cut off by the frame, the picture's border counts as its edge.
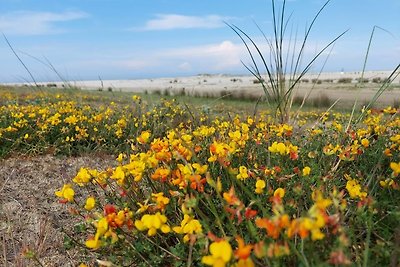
(243, 251)
(272, 228)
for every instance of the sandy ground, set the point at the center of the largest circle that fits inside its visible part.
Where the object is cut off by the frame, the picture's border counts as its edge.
(211, 83)
(30, 215)
(215, 85)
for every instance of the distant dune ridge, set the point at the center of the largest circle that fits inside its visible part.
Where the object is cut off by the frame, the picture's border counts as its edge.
(334, 85)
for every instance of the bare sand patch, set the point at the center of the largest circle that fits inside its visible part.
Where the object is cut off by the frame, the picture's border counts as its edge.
(30, 215)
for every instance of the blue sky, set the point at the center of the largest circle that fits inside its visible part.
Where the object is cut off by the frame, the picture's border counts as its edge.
(115, 39)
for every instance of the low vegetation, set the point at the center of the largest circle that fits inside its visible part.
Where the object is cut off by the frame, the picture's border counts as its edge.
(195, 188)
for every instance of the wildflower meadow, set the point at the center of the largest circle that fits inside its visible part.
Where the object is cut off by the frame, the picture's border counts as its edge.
(195, 188)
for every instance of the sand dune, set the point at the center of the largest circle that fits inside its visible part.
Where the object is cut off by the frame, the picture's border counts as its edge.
(331, 85)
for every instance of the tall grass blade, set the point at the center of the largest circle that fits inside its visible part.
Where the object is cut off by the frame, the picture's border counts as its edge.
(20, 60)
(277, 90)
(368, 49)
(395, 73)
(47, 63)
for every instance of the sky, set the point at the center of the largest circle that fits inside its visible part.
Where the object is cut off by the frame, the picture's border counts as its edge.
(133, 39)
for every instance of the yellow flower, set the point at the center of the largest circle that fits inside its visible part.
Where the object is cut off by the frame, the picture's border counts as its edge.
(102, 227)
(200, 169)
(71, 120)
(152, 223)
(316, 234)
(395, 167)
(354, 189)
(136, 97)
(279, 192)
(161, 201)
(221, 253)
(278, 148)
(118, 175)
(260, 185)
(144, 137)
(189, 226)
(330, 149)
(90, 203)
(218, 150)
(121, 157)
(306, 171)
(82, 177)
(236, 136)
(93, 243)
(242, 173)
(216, 185)
(386, 183)
(320, 201)
(66, 192)
(142, 208)
(365, 142)
(245, 263)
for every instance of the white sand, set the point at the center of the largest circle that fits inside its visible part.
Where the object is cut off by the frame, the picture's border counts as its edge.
(211, 83)
(215, 84)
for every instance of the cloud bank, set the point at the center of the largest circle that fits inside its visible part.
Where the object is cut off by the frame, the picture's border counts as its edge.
(36, 23)
(164, 22)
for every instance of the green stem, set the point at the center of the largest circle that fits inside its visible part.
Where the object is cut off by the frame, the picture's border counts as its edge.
(215, 213)
(302, 254)
(367, 241)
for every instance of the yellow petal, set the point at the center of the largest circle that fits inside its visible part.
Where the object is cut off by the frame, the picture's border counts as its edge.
(90, 203)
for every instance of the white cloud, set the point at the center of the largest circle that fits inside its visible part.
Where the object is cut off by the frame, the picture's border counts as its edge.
(36, 23)
(174, 21)
(185, 66)
(135, 64)
(218, 57)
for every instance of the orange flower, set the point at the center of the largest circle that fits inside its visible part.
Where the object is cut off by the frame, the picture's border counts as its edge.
(161, 174)
(243, 251)
(279, 192)
(271, 227)
(231, 197)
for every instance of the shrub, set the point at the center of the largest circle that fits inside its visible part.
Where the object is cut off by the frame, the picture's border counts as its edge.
(322, 101)
(363, 80)
(316, 81)
(345, 80)
(377, 80)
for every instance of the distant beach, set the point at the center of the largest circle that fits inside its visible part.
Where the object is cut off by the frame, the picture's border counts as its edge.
(345, 86)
